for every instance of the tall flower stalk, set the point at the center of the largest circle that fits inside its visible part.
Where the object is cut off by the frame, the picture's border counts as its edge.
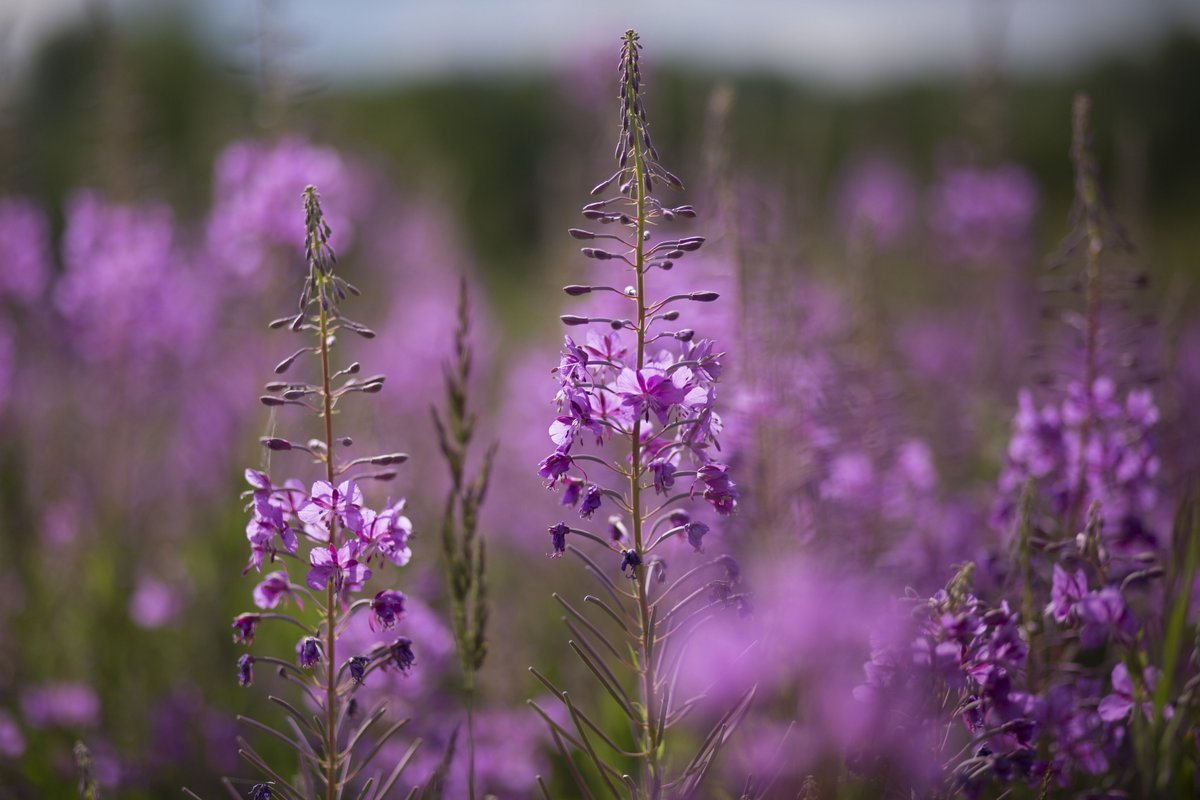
(465, 561)
(345, 537)
(650, 414)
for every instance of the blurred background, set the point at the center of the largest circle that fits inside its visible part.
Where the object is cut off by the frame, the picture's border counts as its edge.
(885, 187)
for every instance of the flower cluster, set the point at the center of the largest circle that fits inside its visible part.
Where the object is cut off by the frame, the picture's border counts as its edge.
(1095, 442)
(976, 655)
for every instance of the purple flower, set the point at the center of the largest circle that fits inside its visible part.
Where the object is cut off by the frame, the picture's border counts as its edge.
(274, 587)
(245, 670)
(358, 668)
(651, 391)
(558, 539)
(1118, 705)
(591, 502)
(346, 501)
(573, 366)
(876, 198)
(554, 466)
(679, 517)
(387, 533)
(308, 652)
(719, 491)
(400, 654)
(244, 628)
(695, 534)
(387, 609)
(63, 705)
(25, 242)
(1103, 614)
(340, 565)
(12, 741)
(572, 488)
(631, 559)
(664, 475)
(1066, 591)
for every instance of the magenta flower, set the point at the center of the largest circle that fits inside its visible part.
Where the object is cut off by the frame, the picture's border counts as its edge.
(346, 501)
(274, 587)
(386, 533)
(387, 609)
(651, 391)
(1066, 592)
(695, 534)
(339, 565)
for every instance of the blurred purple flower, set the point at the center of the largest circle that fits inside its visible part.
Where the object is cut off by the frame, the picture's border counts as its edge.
(154, 603)
(62, 705)
(25, 242)
(983, 215)
(876, 199)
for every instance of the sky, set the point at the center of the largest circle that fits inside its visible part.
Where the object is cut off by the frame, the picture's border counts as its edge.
(846, 43)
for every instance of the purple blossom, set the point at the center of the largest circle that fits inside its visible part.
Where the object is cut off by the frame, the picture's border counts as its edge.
(62, 705)
(273, 588)
(719, 490)
(308, 652)
(664, 475)
(245, 670)
(12, 740)
(651, 391)
(554, 466)
(1066, 591)
(695, 532)
(387, 608)
(876, 199)
(358, 668)
(983, 215)
(1117, 706)
(591, 502)
(631, 559)
(1104, 614)
(400, 655)
(255, 186)
(339, 565)
(386, 533)
(558, 539)
(572, 488)
(345, 501)
(25, 242)
(244, 628)
(154, 603)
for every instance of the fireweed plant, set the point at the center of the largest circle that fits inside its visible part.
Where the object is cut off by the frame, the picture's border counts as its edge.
(1085, 678)
(343, 539)
(464, 559)
(642, 392)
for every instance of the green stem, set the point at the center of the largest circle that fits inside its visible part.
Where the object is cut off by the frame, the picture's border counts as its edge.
(650, 744)
(331, 600)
